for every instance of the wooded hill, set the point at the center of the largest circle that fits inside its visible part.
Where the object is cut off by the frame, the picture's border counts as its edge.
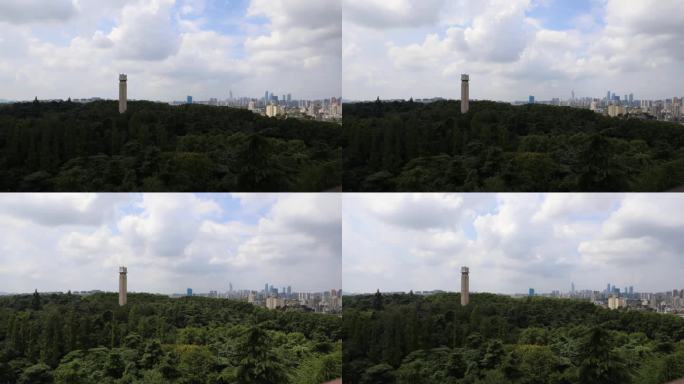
(70, 339)
(66, 146)
(411, 339)
(410, 146)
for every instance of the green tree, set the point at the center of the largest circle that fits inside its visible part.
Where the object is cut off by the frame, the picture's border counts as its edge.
(36, 374)
(257, 363)
(599, 364)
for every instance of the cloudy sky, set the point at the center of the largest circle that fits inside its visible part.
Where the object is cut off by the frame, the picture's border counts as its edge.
(169, 48)
(169, 241)
(512, 48)
(512, 242)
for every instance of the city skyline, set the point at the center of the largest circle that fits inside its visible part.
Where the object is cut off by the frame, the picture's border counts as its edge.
(511, 49)
(169, 242)
(169, 48)
(511, 242)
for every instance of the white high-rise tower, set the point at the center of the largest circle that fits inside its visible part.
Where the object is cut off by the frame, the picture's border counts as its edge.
(464, 286)
(464, 93)
(122, 285)
(123, 93)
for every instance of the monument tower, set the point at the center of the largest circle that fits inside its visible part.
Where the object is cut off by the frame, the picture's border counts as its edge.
(122, 285)
(123, 93)
(464, 93)
(464, 286)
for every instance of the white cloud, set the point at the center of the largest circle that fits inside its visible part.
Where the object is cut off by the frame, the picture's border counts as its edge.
(512, 242)
(508, 53)
(171, 48)
(25, 11)
(169, 242)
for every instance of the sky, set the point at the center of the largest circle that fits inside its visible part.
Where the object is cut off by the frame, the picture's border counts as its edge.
(170, 242)
(512, 242)
(512, 48)
(169, 48)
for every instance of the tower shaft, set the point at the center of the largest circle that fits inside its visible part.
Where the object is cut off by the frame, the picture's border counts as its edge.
(123, 93)
(123, 289)
(464, 286)
(464, 93)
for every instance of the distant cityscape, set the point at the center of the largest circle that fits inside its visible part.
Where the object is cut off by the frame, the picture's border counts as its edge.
(272, 105)
(615, 105)
(285, 299)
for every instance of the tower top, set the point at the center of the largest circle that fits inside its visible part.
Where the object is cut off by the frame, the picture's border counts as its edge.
(464, 77)
(123, 269)
(464, 269)
(123, 77)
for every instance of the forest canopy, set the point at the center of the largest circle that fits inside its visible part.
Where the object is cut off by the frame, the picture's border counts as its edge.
(498, 147)
(66, 146)
(71, 339)
(412, 339)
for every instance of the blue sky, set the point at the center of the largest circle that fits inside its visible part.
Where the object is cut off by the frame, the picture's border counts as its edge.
(170, 241)
(170, 48)
(512, 48)
(511, 242)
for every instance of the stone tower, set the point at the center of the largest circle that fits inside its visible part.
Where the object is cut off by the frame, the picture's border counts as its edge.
(464, 286)
(464, 93)
(122, 285)
(123, 93)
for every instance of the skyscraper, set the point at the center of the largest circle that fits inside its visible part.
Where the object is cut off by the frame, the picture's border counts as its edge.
(531, 292)
(572, 289)
(464, 93)
(189, 101)
(530, 100)
(464, 286)
(266, 288)
(123, 289)
(123, 93)
(189, 293)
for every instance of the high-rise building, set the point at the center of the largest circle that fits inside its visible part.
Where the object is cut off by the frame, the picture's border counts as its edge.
(572, 287)
(608, 96)
(230, 287)
(189, 100)
(465, 95)
(530, 292)
(631, 290)
(465, 293)
(189, 292)
(123, 93)
(123, 286)
(289, 290)
(616, 302)
(266, 288)
(266, 97)
(530, 100)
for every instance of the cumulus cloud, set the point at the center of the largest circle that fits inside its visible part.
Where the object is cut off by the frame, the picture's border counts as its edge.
(510, 51)
(171, 48)
(392, 14)
(169, 242)
(511, 241)
(26, 11)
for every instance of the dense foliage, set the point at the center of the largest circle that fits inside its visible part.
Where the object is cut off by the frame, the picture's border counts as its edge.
(411, 339)
(409, 146)
(69, 339)
(65, 146)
